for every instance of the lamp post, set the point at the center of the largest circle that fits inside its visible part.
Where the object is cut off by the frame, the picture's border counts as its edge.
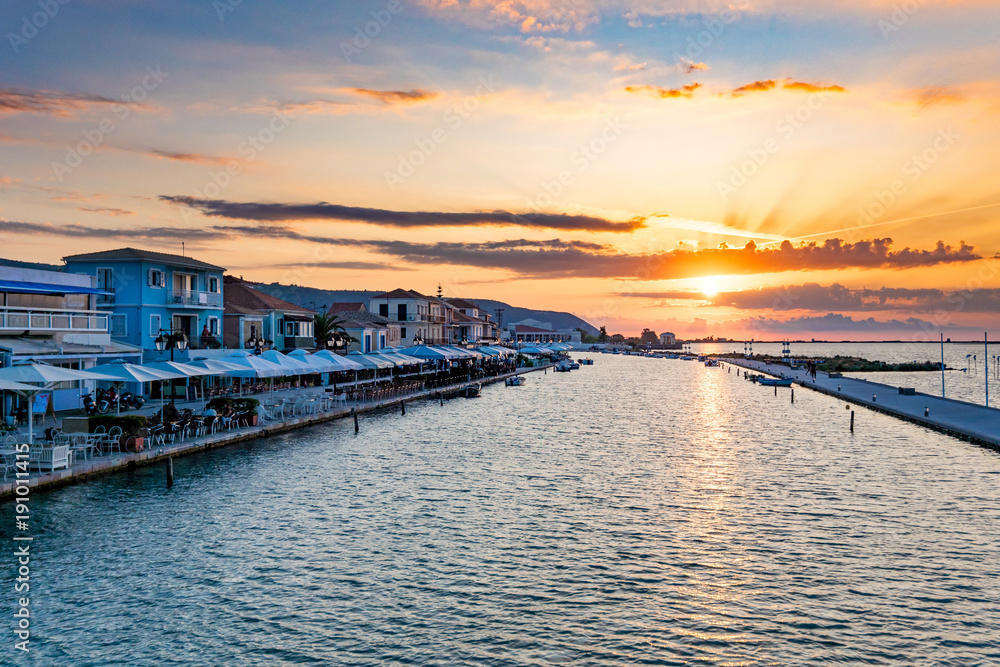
(256, 344)
(171, 341)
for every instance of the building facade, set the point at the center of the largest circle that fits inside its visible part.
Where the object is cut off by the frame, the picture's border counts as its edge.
(421, 318)
(251, 314)
(52, 317)
(148, 293)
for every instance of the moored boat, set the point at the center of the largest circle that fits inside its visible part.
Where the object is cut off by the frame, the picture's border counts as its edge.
(516, 381)
(775, 382)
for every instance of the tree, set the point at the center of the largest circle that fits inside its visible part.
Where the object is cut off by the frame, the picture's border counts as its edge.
(330, 328)
(603, 337)
(648, 336)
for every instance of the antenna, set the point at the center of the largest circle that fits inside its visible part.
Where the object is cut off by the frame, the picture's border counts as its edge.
(182, 249)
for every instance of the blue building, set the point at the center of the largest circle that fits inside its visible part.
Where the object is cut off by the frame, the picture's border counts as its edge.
(149, 293)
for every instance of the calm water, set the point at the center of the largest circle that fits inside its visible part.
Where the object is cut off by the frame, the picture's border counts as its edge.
(638, 511)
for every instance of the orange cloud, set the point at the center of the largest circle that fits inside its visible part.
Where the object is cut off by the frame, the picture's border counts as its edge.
(813, 87)
(665, 93)
(396, 96)
(926, 97)
(47, 102)
(756, 86)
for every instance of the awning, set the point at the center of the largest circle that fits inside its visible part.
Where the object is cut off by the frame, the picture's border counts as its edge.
(46, 288)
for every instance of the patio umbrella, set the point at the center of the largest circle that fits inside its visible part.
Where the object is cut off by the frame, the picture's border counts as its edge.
(34, 373)
(371, 361)
(342, 363)
(189, 370)
(126, 372)
(317, 364)
(288, 364)
(428, 352)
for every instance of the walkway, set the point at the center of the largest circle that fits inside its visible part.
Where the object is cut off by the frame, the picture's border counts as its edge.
(965, 420)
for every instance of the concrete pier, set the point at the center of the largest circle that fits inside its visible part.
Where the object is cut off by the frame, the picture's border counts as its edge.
(968, 421)
(107, 464)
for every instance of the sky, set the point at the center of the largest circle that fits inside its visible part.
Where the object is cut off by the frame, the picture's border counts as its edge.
(760, 169)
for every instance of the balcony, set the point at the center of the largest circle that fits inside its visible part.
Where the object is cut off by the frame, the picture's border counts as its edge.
(28, 319)
(194, 299)
(420, 317)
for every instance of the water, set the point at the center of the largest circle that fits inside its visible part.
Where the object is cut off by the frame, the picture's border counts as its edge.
(968, 385)
(638, 511)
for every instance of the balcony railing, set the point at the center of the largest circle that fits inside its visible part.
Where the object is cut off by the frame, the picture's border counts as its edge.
(418, 317)
(29, 319)
(195, 298)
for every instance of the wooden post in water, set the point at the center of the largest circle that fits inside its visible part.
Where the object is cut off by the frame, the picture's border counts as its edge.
(852, 421)
(170, 471)
(354, 413)
(441, 397)
(776, 390)
(402, 404)
(793, 394)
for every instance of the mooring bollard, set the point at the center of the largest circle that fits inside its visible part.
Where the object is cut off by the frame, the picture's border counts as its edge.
(927, 412)
(874, 398)
(852, 421)
(354, 413)
(838, 387)
(170, 471)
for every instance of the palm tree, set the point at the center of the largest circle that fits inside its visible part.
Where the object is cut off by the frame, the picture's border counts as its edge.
(329, 328)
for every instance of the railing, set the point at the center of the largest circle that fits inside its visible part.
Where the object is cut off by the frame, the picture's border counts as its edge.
(28, 319)
(418, 317)
(195, 298)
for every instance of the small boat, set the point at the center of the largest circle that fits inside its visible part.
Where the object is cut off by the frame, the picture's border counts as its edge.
(563, 367)
(472, 390)
(712, 363)
(574, 365)
(585, 362)
(516, 381)
(775, 382)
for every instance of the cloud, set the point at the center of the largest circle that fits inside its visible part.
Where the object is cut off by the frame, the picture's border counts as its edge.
(396, 96)
(688, 66)
(554, 259)
(665, 93)
(813, 87)
(106, 211)
(815, 297)
(195, 158)
(838, 323)
(353, 266)
(756, 86)
(51, 103)
(276, 212)
(787, 84)
(524, 15)
(930, 96)
(83, 231)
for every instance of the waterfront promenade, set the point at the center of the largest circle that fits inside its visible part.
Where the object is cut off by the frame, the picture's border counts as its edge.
(115, 462)
(976, 423)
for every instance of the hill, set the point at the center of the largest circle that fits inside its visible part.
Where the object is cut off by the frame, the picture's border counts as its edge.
(316, 299)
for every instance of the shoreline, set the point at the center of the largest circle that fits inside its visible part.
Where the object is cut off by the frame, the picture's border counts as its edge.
(83, 471)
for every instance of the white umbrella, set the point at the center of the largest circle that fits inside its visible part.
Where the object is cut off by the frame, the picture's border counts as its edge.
(188, 370)
(343, 363)
(126, 372)
(253, 366)
(317, 364)
(288, 364)
(428, 352)
(48, 376)
(371, 361)
(7, 385)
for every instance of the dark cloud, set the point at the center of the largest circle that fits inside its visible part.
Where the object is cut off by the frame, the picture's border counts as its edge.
(396, 96)
(573, 259)
(63, 105)
(837, 323)
(353, 266)
(196, 158)
(276, 212)
(666, 93)
(815, 297)
(82, 231)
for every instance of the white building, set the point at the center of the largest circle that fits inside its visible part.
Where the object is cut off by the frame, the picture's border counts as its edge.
(667, 338)
(422, 319)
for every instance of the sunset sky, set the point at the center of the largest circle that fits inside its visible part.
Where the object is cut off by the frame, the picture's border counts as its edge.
(762, 168)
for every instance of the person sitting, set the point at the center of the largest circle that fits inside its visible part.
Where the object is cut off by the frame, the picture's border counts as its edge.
(170, 413)
(210, 415)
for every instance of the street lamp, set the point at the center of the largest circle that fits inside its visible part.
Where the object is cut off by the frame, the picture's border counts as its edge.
(170, 341)
(256, 344)
(418, 339)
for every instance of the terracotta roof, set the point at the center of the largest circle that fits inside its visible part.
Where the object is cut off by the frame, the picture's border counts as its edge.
(363, 316)
(524, 328)
(462, 303)
(347, 307)
(355, 324)
(132, 254)
(243, 296)
(232, 309)
(402, 294)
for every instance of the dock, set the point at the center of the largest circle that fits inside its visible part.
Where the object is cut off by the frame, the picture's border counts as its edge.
(113, 463)
(968, 421)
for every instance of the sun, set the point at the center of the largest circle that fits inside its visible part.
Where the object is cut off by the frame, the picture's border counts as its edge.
(709, 287)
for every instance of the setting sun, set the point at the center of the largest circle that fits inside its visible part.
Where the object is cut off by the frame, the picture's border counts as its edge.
(710, 287)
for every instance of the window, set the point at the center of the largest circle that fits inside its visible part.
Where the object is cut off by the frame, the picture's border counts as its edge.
(402, 332)
(383, 309)
(155, 278)
(119, 325)
(401, 312)
(154, 326)
(105, 279)
(281, 326)
(213, 285)
(381, 341)
(213, 326)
